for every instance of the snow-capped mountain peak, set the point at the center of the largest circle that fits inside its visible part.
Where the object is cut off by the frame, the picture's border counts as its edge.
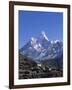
(56, 41)
(36, 45)
(44, 35)
(42, 48)
(33, 40)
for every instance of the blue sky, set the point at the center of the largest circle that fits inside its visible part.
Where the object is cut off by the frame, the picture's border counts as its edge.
(31, 23)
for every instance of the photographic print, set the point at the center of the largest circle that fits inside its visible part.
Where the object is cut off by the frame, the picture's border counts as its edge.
(39, 44)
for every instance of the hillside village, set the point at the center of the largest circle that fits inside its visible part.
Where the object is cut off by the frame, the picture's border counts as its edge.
(29, 69)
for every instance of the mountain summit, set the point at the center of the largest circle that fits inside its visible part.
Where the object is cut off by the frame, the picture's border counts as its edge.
(42, 48)
(44, 35)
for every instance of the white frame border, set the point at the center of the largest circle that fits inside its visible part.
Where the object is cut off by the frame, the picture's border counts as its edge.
(42, 80)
